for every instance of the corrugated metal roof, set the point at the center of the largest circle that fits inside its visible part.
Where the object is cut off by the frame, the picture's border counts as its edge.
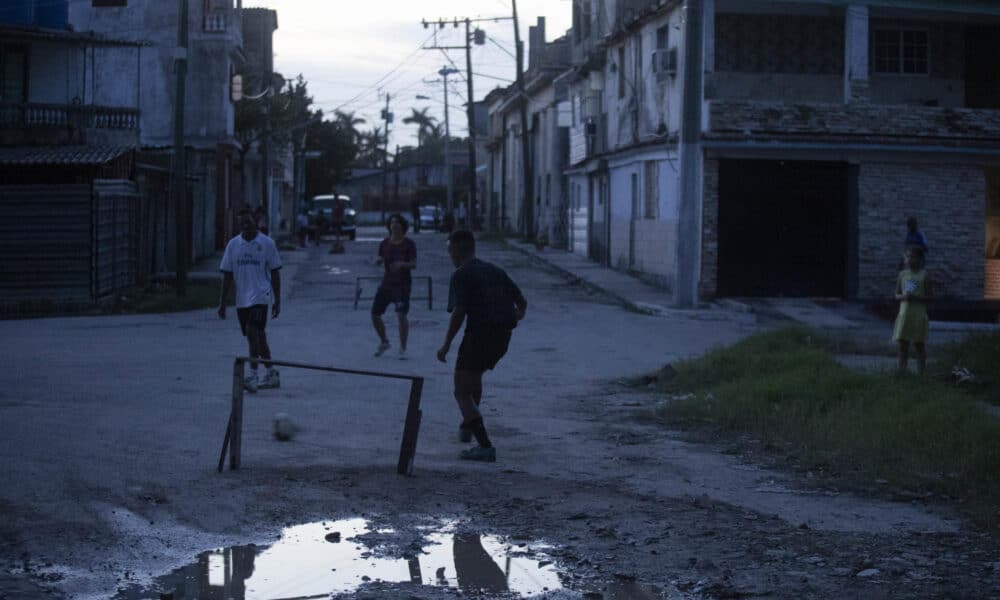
(61, 155)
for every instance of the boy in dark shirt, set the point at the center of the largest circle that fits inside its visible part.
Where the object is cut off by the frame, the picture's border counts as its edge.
(482, 295)
(398, 254)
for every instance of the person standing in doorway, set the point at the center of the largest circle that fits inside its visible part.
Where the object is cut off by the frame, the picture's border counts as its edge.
(251, 262)
(398, 255)
(913, 291)
(491, 305)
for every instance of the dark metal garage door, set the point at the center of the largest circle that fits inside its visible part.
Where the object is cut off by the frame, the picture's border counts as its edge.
(782, 228)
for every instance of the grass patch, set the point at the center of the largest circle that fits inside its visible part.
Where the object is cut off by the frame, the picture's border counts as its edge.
(162, 298)
(784, 388)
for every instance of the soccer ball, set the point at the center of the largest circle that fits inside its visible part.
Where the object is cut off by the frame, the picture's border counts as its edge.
(284, 429)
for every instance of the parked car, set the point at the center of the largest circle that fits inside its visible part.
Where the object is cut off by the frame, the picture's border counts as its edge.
(430, 217)
(322, 212)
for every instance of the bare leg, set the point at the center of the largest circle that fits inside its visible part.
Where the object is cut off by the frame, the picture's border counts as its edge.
(921, 357)
(466, 382)
(379, 327)
(404, 330)
(904, 354)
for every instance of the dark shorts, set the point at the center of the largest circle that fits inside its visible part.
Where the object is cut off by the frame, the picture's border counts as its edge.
(256, 315)
(386, 296)
(482, 348)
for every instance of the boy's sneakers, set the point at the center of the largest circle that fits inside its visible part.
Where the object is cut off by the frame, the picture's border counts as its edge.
(250, 382)
(271, 380)
(479, 453)
(402, 354)
(382, 347)
(464, 435)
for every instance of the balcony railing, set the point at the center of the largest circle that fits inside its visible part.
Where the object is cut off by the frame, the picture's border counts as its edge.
(216, 21)
(68, 115)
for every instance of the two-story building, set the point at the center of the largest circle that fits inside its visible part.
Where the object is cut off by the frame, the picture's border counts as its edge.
(214, 54)
(507, 207)
(824, 125)
(68, 200)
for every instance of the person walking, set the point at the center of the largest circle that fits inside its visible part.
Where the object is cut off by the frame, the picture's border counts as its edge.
(913, 291)
(398, 255)
(491, 305)
(252, 263)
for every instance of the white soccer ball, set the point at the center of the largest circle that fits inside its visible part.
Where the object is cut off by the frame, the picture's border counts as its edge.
(284, 429)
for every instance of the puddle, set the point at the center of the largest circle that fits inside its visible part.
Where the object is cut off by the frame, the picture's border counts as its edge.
(336, 557)
(333, 270)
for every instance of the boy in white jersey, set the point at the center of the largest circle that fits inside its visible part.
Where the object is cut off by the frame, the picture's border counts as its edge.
(251, 261)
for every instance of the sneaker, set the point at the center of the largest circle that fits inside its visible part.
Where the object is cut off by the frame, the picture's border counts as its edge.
(479, 453)
(464, 435)
(250, 382)
(382, 347)
(271, 380)
(402, 354)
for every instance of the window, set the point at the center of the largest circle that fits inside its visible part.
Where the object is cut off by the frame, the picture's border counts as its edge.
(621, 72)
(662, 37)
(104, 3)
(651, 199)
(902, 51)
(13, 74)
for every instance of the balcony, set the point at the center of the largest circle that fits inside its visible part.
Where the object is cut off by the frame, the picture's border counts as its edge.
(30, 123)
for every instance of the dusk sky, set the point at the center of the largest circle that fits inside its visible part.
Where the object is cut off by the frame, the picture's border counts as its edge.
(350, 52)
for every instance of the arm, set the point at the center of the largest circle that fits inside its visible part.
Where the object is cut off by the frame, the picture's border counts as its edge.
(227, 283)
(276, 286)
(457, 316)
(899, 290)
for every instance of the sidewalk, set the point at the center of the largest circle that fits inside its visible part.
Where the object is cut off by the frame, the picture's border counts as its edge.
(629, 291)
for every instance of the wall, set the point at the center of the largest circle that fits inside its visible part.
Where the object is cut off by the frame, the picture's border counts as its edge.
(53, 77)
(708, 282)
(949, 200)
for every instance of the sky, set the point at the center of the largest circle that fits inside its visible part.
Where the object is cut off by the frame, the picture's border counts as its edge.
(354, 52)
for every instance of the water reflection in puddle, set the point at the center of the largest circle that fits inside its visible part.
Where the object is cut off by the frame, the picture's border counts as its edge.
(312, 561)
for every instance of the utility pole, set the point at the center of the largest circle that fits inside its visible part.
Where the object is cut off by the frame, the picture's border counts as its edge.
(179, 183)
(387, 117)
(686, 292)
(470, 105)
(529, 205)
(395, 191)
(444, 73)
(478, 37)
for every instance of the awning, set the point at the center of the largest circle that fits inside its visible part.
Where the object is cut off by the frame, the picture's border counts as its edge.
(61, 155)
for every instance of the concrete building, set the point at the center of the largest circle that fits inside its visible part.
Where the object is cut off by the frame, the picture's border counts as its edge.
(507, 207)
(68, 200)
(214, 55)
(824, 126)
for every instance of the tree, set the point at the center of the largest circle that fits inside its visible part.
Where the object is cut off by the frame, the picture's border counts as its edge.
(338, 143)
(423, 121)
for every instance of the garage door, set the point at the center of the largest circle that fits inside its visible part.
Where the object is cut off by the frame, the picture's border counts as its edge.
(782, 228)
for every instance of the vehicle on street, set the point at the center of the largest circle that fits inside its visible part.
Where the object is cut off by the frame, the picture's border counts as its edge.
(430, 217)
(326, 209)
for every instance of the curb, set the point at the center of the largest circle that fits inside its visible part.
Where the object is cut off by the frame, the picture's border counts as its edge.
(574, 278)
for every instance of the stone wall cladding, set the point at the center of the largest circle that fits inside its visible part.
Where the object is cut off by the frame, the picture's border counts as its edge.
(709, 280)
(872, 122)
(992, 285)
(948, 200)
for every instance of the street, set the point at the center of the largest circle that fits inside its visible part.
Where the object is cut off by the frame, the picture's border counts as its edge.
(111, 427)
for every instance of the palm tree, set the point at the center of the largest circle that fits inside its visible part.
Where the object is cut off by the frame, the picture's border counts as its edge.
(347, 122)
(423, 121)
(370, 147)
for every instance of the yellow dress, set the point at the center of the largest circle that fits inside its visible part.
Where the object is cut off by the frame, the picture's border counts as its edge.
(911, 322)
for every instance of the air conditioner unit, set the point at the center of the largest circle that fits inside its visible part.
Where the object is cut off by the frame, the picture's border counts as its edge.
(665, 63)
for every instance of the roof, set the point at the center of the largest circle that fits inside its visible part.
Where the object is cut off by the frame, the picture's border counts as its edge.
(14, 32)
(61, 155)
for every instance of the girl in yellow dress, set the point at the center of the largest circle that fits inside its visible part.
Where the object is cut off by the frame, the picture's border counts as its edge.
(913, 290)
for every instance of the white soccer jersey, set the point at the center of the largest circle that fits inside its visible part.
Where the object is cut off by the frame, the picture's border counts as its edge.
(251, 264)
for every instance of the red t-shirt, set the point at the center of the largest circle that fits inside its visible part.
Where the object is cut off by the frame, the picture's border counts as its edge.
(404, 251)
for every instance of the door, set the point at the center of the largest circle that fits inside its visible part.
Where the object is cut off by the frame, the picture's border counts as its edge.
(783, 228)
